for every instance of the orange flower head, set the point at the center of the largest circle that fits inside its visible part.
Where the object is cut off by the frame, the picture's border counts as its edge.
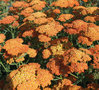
(92, 32)
(2, 38)
(80, 10)
(32, 52)
(20, 4)
(54, 66)
(85, 0)
(50, 29)
(46, 53)
(23, 75)
(37, 4)
(78, 67)
(57, 11)
(7, 20)
(92, 10)
(28, 33)
(65, 3)
(84, 40)
(44, 76)
(90, 18)
(15, 46)
(44, 38)
(57, 50)
(27, 11)
(73, 55)
(64, 17)
(74, 87)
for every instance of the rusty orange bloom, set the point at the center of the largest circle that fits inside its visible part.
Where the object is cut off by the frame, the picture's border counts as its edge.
(65, 3)
(2, 38)
(85, 0)
(7, 20)
(57, 11)
(74, 87)
(46, 53)
(50, 29)
(15, 46)
(84, 40)
(29, 76)
(91, 18)
(44, 38)
(32, 52)
(75, 55)
(78, 67)
(62, 84)
(65, 17)
(27, 33)
(37, 4)
(27, 11)
(20, 4)
(44, 76)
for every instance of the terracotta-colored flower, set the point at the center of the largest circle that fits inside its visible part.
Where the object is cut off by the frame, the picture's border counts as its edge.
(73, 55)
(80, 10)
(7, 20)
(85, 0)
(20, 4)
(47, 88)
(92, 10)
(65, 17)
(15, 46)
(32, 52)
(44, 38)
(29, 76)
(65, 3)
(74, 87)
(71, 31)
(57, 11)
(46, 53)
(86, 10)
(95, 53)
(54, 66)
(78, 67)
(77, 25)
(37, 4)
(27, 33)
(27, 11)
(57, 49)
(66, 82)
(50, 29)
(90, 18)
(44, 76)
(62, 84)
(84, 40)
(2, 38)
(37, 18)
(92, 32)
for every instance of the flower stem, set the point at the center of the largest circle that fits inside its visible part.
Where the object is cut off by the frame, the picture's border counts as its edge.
(3, 67)
(73, 75)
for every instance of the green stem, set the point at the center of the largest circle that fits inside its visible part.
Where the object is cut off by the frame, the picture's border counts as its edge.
(3, 67)
(73, 75)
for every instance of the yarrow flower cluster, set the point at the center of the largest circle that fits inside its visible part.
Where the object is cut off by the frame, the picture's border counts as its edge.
(49, 45)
